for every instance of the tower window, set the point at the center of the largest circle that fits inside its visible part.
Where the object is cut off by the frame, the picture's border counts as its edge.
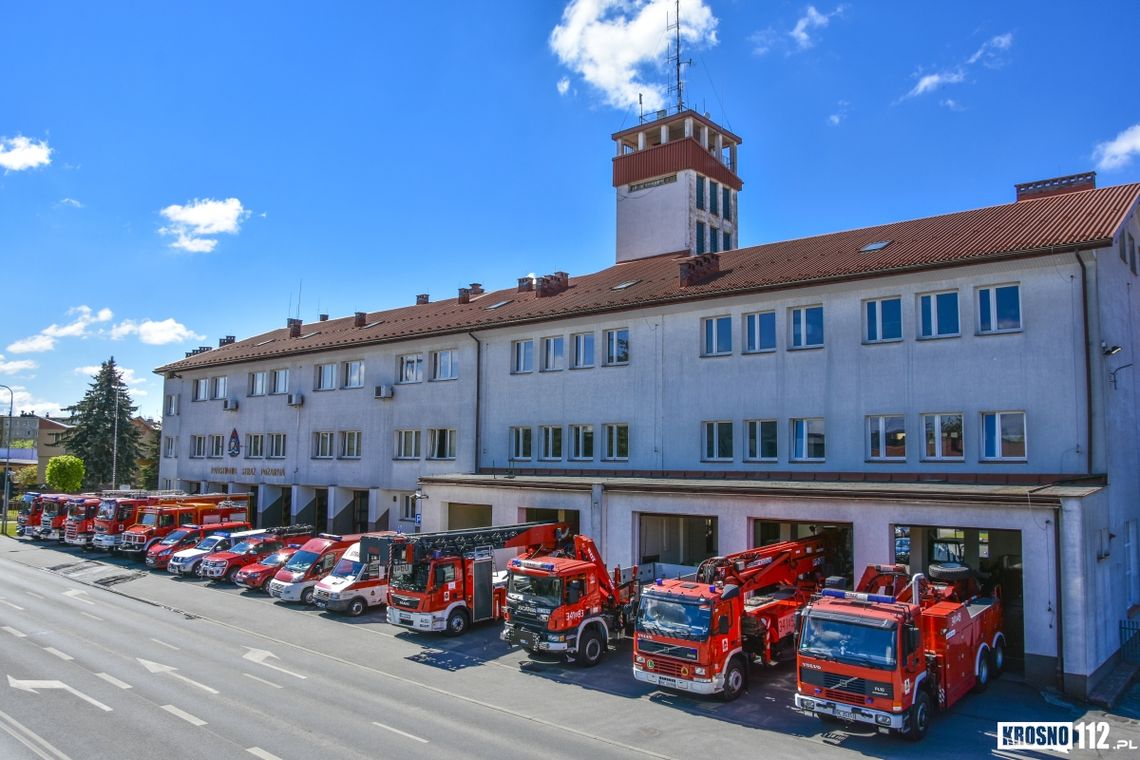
(713, 198)
(700, 238)
(714, 239)
(727, 242)
(727, 205)
(701, 193)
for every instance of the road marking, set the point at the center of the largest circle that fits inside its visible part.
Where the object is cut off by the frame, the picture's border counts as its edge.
(401, 733)
(31, 686)
(184, 715)
(259, 752)
(33, 594)
(261, 655)
(75, 594)
(14, 632)
(113, 681)
(57, 653)
(93, 617)
(163, 643)
(25, 736)
(262, 680)
(13, 606)
(155, 667)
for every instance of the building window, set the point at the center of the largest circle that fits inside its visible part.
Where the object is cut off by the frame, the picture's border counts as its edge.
(410, 369)
(714, 239)
(718, 441)
(217, 387)
(197, 446)
(442, 443)
(258, 383)
(354, 374)
(171, 404)
(322, 445)
(807, 326)
(551, 442)
(408, 507)
(522, 356)
(717, 336)
(700, 238)
(276, 445)
(583, 350)
(254, 445)
(617, 346)
(700, 192)
(201, 389)
(521, 443)
(1131, 253)
(326, 377)
(761, 441)
(168, 447)
(999, 309)
(886, 437)
(445, 365)
(808, 440)
(727, 207)
(1003, 436)
(350, 444)
(280, 379)
(553, 353)
(582, 442)
(938, 315)
(407, 444)
(759, 332)
(882, 320)
(727, 242)
(714, 197)
(616, 442)
(943, 435)
(217, 446)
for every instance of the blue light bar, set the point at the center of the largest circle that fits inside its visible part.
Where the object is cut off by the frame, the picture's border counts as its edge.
(221, 534)
(858, 596)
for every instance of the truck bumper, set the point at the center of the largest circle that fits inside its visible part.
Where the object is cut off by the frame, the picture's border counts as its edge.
(287, 592)
(51, 534)
(713, 685)
(537, 641)
(843, 711)
(419, 621)
(214, 572)
(332, 605)
(180, 570)
(105, 542)
(83, 539)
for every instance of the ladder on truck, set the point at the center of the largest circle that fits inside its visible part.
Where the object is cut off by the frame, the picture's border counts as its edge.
(459, 543)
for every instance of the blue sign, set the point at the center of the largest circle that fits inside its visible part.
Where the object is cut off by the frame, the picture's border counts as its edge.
(418, 519)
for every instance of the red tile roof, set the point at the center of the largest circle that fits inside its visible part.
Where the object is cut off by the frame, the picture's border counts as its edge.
(1072, 221)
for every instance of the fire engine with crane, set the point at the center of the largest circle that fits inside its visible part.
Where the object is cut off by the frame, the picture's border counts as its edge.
(79, 524)
(448, 580)
(157, 520)
(897, 648)
(354, 584)
(567, 602)
(701, 635)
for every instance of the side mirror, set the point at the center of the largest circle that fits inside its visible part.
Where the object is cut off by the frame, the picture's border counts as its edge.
(722, 625)
(913, 639)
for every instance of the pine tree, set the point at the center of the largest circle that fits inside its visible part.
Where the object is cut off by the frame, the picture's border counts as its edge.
(103, 416)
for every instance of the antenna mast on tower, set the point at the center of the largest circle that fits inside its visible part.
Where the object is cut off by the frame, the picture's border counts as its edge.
(675, 59)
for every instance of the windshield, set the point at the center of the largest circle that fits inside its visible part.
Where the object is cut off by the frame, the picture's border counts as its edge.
(106, 510)
(411, 577)
(149, 518)
(848, 642)
(674, 618)
(546, 590)
(210, 543)
(346, 568)
(51, 509)
(273, 560)
(302, 561)
(175, 537)
(245, 547)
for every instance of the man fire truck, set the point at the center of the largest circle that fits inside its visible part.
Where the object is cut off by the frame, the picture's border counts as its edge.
(79, 524)
(354, 585)
(701, 635)
(297, 578)
(446, 581)
(157, 520)
(569, 603)
(227, 564)
(891, 651)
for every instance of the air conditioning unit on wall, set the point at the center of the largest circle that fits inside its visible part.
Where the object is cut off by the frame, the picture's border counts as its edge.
(383, 391)
(230, 404)
(295, 399)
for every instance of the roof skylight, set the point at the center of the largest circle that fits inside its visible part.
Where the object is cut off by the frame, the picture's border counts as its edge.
(498, 305)
(624, 285)
(262, 343)
(878, 245)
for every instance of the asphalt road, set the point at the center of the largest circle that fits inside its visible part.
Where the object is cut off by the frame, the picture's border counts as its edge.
(102, 659)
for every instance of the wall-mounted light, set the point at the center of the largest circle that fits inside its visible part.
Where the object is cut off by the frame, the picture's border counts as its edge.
(1108, 350)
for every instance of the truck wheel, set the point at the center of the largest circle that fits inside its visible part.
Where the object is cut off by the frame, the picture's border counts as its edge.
(949, 571)
(735, 680)
(983, 680)
(591, 648)
(919, 717)
(307, 596)
(457, 622)
(357, 607)
(999, 657)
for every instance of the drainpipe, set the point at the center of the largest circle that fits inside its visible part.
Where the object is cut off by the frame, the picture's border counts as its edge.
(478, 394)
(1088, 367)
(1060, 594)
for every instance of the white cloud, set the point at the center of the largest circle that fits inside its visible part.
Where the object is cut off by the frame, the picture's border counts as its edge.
(932, 82)
(952, 104)
(19, 153)
(563, 85)
(189, 224)
(155, 332)
(127, 374)
(617, 45)
(33, 345)
(71, 202)
(812, 19)
(1118, 152)
(840, 114)
(24, 401)
(763, 40)
(11, 367)
(989, 55)
(79, 327)
(834, 119)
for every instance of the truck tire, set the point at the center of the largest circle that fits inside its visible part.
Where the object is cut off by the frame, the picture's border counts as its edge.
(919, 717)
(457, 622)
(998, 659)
(735, 680)
(356, 607)
(307, 596)
(591, 648)
(985, 670)
(949, 571)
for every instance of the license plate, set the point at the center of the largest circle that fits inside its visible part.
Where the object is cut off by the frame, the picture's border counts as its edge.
(406, 619)
(844, 715)
(528, 640)
(666, 681)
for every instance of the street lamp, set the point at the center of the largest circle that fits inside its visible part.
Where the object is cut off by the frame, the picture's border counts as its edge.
(7, 459)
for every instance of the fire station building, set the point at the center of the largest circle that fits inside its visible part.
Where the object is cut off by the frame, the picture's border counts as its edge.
(955, 388)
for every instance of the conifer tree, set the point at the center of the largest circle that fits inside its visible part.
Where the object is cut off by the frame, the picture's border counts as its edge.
(102, 430)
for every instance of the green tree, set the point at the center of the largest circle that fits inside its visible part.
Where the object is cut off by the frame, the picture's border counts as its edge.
(148, 472)
(65, 473)
(26, 477)
(102, 435)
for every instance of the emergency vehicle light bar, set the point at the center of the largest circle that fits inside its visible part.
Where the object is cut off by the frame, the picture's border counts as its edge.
(858, 596)
(533, 564)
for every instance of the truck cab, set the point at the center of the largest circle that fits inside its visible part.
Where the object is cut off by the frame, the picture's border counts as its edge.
(53, 517)
(113, 517)
(29, 514)
(296, 581)
(354, 584)
(79, 525)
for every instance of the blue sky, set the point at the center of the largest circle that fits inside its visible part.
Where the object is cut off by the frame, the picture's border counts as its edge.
(173, 173)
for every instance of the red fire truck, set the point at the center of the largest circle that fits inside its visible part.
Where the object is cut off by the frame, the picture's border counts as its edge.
(569, 603)
(297, 578)
(119, 510)
(79, 524)
(446, 581)
(157, 520)
(29, 514)
(701, 635)
(225, 565)
(159, 554)
(54, 516)
(896, 648)
(256, 577)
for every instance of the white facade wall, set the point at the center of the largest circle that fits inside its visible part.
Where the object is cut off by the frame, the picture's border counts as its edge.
(655, 220)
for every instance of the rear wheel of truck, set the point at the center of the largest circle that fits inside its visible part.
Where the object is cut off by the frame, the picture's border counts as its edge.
(999, 657)
(457, 622)
(307, 596)
(735, 680)
(356, 607)
(591, 648)
(919, 717)
(984, 672)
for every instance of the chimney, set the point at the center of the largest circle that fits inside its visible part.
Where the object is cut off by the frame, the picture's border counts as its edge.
(526, 284)
(358, 319)
(225, 341)
(552, 284)
(1055, 186)
(421, 299)
(476, 289)
(294, 326)
(324, 318)
(697, 269)
(465, 295)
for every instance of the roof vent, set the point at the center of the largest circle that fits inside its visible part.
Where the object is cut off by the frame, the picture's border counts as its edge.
(697, 269)
(1056, 186)
(323, 318)
(476, 289)
(225, 341)
(294, 326)
(358, 319)
(552, 284)
(526, 284)
(421, 299)
(464, 295)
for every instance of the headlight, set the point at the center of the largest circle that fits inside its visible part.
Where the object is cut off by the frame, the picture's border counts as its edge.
(334, 595)
(639, 658)
(883, 720)
(555, 637)
(164, 552)
(807, 704)
(699, 671)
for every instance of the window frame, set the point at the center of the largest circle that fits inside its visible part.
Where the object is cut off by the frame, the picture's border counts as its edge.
(578, 340)
(700, 193)
(551, 437)
(877, 304)
(796, 454)
(413, 361)
(999, 456)
(448, 437)
(323, 444)
(200, 389)
(169, 447)
(579, 434)
(935, 334)
(939, 435)
(218, 387)
(611, 340)
(700, 235)
(711, 440)
(273, 451)
(276, 377)
(452, 365)
(714, 198)
(350, 367)
(754, 434)
(798, 324)
(878, 424)
(404, 437)
(217, 446)
(197, 447)
(320, 381)
(255, 445)
(350, 444)
(559, 359)
(522, 356)
(711, 335)
(172, 400)
(521, 443)
(755, 333)
(726, 204)
(258, 383)
(611, 438)
(992, 316)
